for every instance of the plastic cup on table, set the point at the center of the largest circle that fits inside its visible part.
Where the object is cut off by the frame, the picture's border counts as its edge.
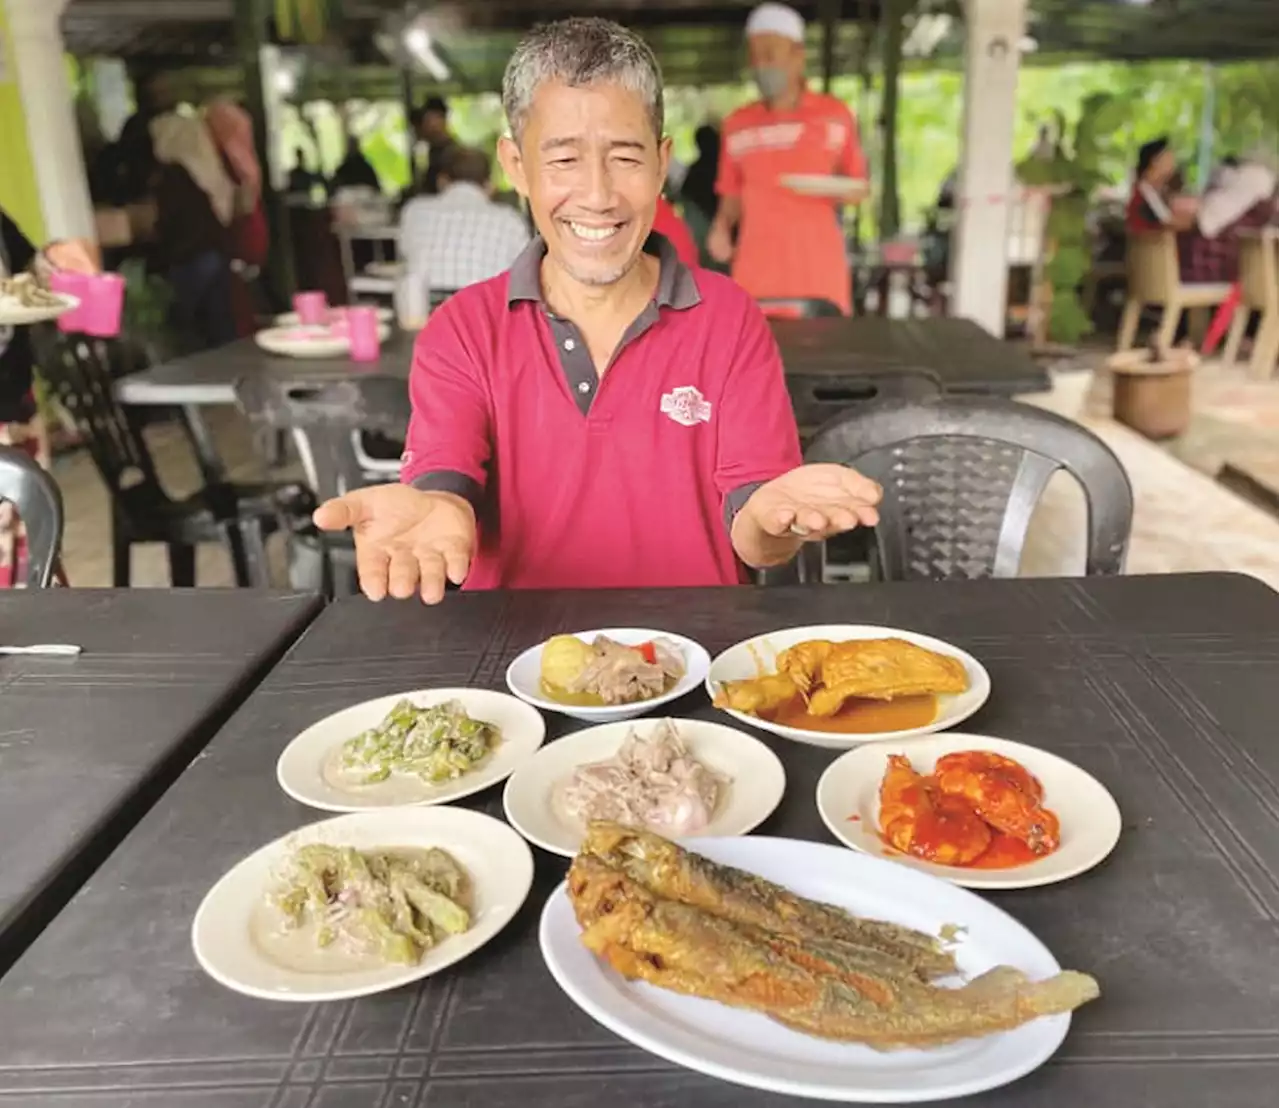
(71, 284)
(362, 334)
(101, 305)
(312, 308)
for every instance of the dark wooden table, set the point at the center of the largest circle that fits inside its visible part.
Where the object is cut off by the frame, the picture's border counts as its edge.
(88, 743)
(1162, 687)
(964, 357)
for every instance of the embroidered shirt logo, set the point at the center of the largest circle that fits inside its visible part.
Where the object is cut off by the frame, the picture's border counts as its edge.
(686, 406)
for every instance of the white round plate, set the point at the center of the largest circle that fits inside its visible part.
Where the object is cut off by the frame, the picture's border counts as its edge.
(13, 313)
(823, 184)
(1087, 812)
(743, 661)
(524, 676)
(499, 862)
(309, 341)
(290, 319)
(751, 1049)
(301, 768)
(756, 780)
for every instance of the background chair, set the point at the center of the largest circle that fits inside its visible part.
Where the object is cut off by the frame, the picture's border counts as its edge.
(818, 398)
(1151, 271)
(961, 478)
(82, 373)
(326, 419)
(38, 501)
(1258, 293)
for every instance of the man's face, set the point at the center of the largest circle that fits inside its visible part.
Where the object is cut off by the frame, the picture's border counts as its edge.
(770, 51)
(591, 168)
(434, 127)
(1163, 167)
(160, 95)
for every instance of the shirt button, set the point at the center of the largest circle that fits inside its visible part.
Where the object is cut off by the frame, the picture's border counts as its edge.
(584, 386)
(569, 344)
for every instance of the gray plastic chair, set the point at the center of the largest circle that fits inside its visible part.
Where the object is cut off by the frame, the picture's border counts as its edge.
(961, 478)
(38, 500)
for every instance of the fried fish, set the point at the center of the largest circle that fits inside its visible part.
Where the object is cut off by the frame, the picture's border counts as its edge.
(682, 923)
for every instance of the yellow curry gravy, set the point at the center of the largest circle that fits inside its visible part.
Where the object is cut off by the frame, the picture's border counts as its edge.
(859, 717)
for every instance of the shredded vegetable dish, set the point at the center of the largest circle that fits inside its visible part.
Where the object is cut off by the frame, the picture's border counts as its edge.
(393, 904)
(437, 744)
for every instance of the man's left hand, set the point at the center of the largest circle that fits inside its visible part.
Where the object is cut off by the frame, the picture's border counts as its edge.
(73, 255)
(814, 502)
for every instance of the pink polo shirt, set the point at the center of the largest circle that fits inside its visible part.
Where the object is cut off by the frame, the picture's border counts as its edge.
(625, 481)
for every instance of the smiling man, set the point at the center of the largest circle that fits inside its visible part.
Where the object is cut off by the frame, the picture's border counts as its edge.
(600, 415)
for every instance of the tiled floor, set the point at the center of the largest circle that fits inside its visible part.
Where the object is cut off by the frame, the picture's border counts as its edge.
(1184, 520)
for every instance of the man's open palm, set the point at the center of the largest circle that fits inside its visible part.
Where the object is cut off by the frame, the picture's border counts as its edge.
(816, 502)
(407, 540)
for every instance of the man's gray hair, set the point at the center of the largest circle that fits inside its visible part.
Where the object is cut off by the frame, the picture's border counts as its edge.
(579, 52)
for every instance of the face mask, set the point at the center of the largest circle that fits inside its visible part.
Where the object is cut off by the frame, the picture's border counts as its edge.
(771, 80)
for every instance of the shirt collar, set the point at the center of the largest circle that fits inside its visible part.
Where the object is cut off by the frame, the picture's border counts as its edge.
(677, 287)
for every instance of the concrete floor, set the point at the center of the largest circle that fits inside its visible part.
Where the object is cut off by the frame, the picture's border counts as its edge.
(1184, 519)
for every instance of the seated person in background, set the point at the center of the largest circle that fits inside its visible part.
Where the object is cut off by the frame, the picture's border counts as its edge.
(459, 237)
(1155, 202)
(1239, 197)
(356, 171)
(301, 179)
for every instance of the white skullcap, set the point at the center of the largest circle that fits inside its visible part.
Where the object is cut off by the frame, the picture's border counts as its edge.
(776, 19)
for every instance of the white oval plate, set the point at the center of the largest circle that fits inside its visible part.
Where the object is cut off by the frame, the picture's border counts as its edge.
(300, 769)
(524, 676)
(756, 780)
(822, 184)
(309, 342)
(290, 319)
(13, 313)
(1087, 812)
(750, 1049)
(498, 861)
(740, 662)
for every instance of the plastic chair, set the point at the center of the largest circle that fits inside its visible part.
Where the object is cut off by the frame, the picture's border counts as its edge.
(1151, 270)
(38, 501)
(82, 373)
(816, 399)
(325, 418)
(961, 478)
(1259, 292)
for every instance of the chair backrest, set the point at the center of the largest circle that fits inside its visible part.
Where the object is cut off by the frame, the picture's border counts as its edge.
(1028, 220)
(38, 500)
(961, 478)
(1258, 284)
(322, 414)
(798, 307)
(1151, 266)
(82, 373)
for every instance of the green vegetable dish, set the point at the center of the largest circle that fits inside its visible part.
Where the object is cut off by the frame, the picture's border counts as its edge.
(393, 904)
(437, 744)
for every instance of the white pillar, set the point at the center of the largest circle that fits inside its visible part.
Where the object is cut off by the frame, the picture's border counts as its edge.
(111, 91)
(52, 130)
(979, 245)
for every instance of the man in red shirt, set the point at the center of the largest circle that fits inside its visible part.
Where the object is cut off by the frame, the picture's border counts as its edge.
(598, 416)
(790, 245)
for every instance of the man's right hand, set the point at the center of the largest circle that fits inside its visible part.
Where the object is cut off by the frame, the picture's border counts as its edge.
(407, 540)
(720, 242)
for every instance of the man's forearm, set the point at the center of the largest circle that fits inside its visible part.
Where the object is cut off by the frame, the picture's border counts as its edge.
(729, 212)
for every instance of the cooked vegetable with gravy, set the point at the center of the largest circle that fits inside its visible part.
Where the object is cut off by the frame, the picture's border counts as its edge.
(393, 904)
(438, 743)
(605, 672)
(652, 783)
(29, 291)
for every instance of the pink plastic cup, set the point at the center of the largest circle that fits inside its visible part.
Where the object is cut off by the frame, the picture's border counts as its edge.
(312, 308)
(362, 334)
(102, 305)
(72, 284)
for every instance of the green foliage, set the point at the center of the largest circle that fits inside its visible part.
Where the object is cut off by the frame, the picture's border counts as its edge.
(147, 302)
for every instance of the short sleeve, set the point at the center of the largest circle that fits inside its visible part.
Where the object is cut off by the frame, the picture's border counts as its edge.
(729, 174)
(447, 448)
(853, 162)
(757, 437)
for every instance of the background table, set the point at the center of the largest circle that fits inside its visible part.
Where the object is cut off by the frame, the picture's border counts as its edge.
(88, 743)
(1165, 688)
